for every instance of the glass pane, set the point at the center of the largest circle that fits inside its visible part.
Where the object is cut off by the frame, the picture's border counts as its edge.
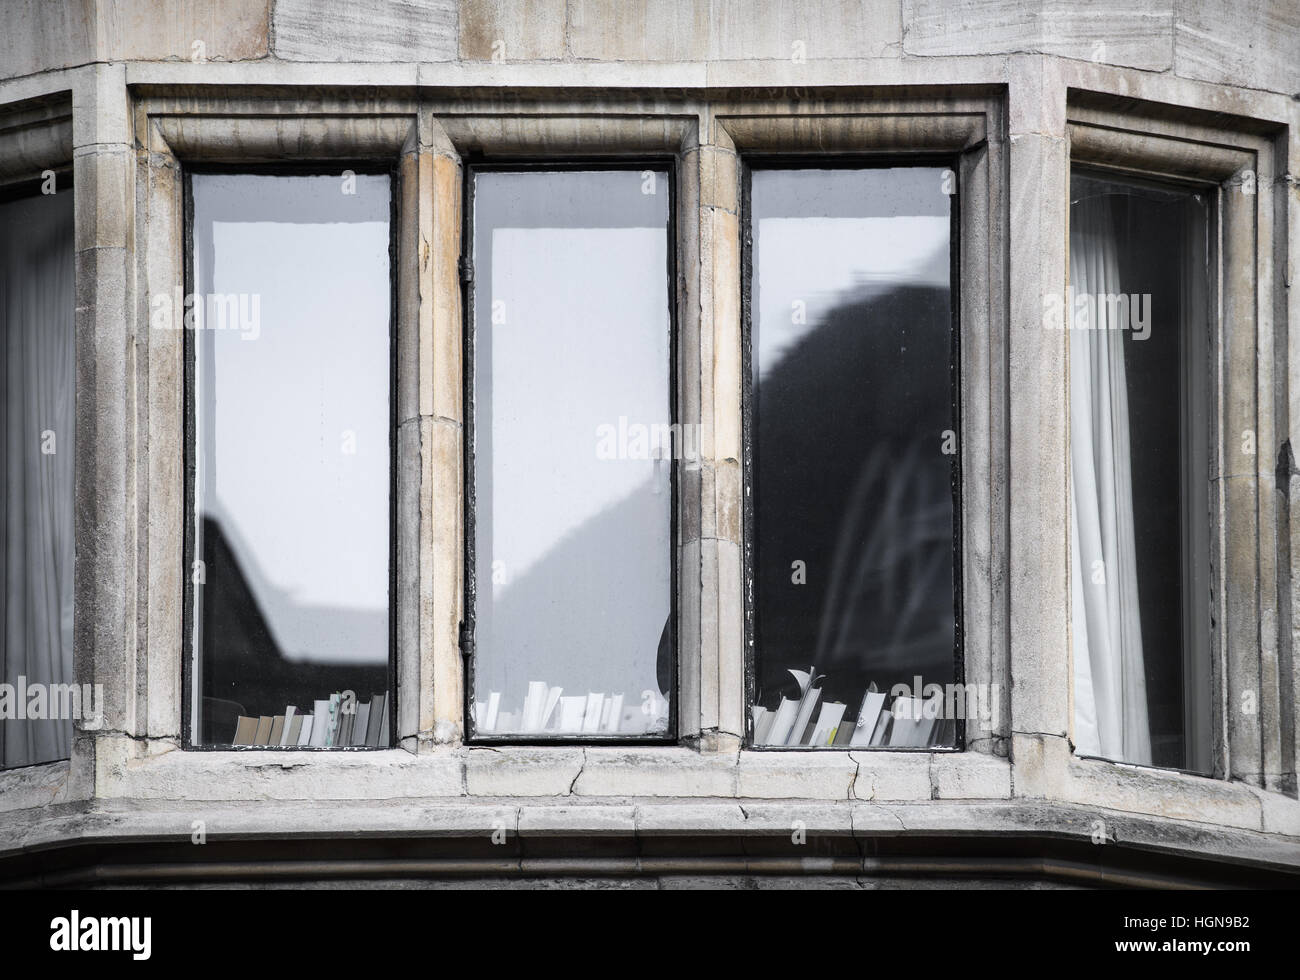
(1139, 437)
(38, 700)
(292, 367)
(854, 457)
(573, 481)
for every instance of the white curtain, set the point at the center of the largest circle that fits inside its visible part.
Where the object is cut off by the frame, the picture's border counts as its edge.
(1110, 702)
(36, 431)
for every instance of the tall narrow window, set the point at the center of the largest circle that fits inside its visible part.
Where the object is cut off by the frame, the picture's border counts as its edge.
(289, 327)
(1139, 472)
(853, 458)
(36, 492)
(572, 454)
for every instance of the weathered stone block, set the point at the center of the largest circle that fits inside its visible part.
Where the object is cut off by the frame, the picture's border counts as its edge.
(800, 31)
(1108, 32)
(639, 30)
(652, 772)
(577, 821)
(891, 776)
(1254, 44)
(382, 30)
(970, 776)
(512, 30)
(796, 775)
(194, 30)
(39, 35)
(518, 771)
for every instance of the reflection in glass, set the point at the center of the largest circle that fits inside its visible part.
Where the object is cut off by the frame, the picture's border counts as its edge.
(572, 454)
(37, 342)
(290, 332)
(854, 460)
(1139, 472)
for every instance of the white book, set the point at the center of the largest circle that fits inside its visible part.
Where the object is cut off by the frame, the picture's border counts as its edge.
(807, 704)
(914, 722)
(604, 714)
(615, 722)
(827, 722)
(383, 724)
(480, 716)
(571, 712)
(548, 709)
(288, 724)
(534, 704)
(782, 722)
(493, 712)
(338, 719)
(359, 722)
(591, 717)
(762, 721)
(304, 736)
(378, 712)
(873, 703)
(320, 727)
(507, 721)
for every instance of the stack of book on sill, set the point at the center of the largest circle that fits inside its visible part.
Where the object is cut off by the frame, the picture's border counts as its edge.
(546, 711)
(909, 723)
(335, 721)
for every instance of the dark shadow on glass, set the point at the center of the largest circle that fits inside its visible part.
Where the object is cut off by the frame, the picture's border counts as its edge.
(853, 457)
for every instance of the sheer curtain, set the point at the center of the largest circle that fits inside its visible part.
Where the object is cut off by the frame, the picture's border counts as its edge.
(36, 429)
(1110, 702)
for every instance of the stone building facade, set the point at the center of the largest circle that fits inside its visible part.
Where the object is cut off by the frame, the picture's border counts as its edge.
(129, 96)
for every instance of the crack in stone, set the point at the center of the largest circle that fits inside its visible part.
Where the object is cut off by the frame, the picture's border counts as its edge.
(578, 775)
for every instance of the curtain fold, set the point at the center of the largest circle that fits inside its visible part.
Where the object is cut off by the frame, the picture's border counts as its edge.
(1110, 699)
(36, 429)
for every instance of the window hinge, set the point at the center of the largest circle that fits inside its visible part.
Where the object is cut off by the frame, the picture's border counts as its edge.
(466, 640)
(465, 268)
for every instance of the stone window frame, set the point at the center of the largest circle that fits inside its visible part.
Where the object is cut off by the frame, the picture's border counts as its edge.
(154, 130)
(173, 132)
(35, 135)
(968, 126)
(708, 136)
(1112, 134)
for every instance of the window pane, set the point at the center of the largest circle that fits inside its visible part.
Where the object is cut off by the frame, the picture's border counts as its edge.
(291, 383)
(1139, 375)
(36, 428)
(854, 461)
(573, 479)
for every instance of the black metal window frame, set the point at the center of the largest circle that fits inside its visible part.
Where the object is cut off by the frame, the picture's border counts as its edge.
(840, 161)
(331, 168)
(476, 164)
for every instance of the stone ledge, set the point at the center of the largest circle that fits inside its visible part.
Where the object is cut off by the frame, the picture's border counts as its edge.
(502, 829)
